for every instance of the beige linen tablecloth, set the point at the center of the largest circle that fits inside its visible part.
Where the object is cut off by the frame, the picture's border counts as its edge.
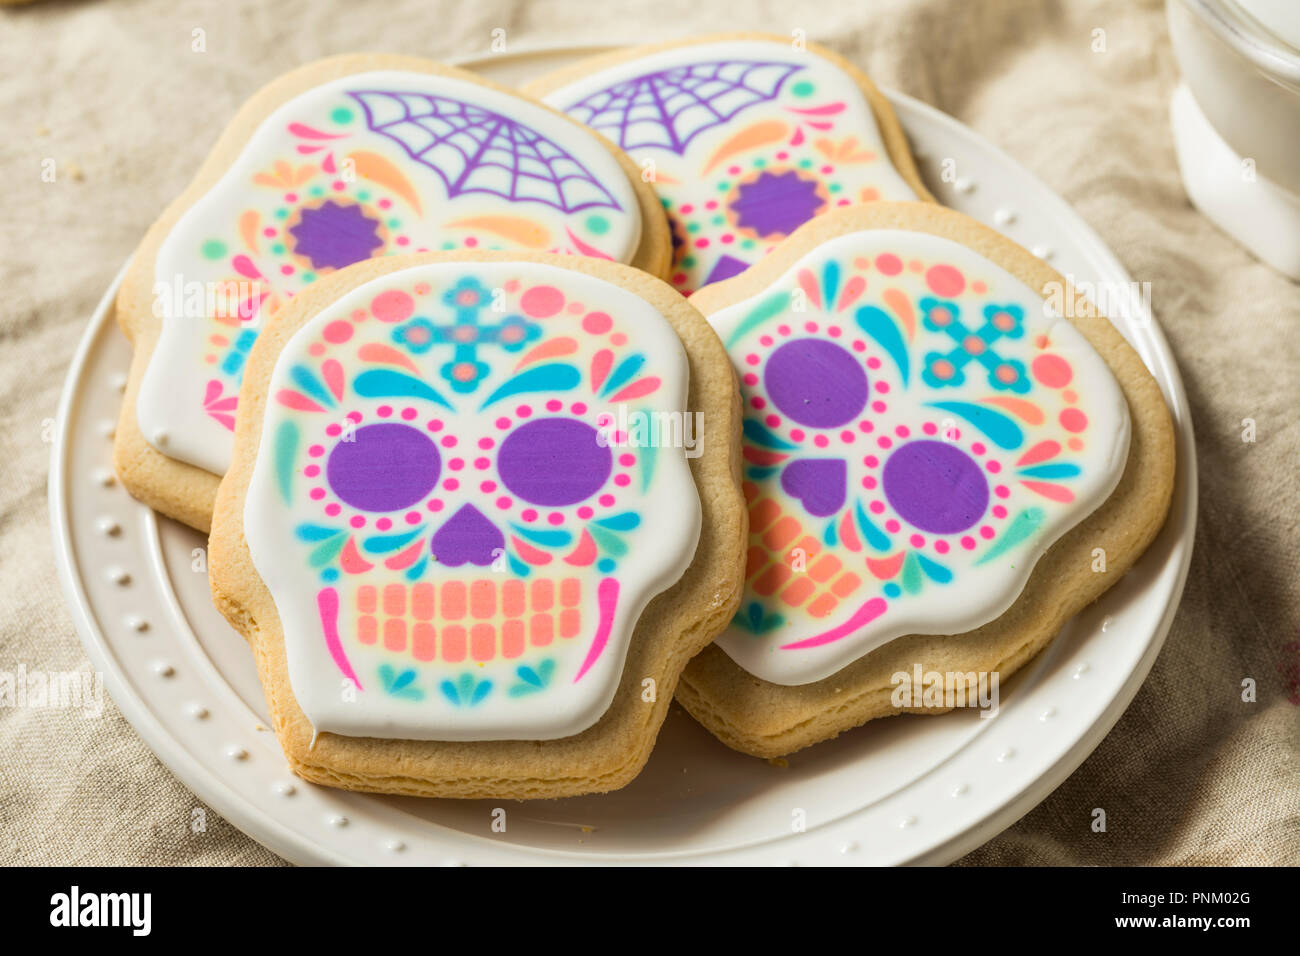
(113, 93)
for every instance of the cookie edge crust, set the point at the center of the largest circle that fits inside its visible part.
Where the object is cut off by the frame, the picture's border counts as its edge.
(187, 492)
(891, 131)
(763, 719)
(675, 626)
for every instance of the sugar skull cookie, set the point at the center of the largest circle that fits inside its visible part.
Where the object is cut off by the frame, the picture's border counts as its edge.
(482, 510)
(342, 161)
(934, 459)
(745, 137)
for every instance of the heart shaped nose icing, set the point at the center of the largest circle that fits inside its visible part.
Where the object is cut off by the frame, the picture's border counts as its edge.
(818, 484)
(467, 537)
(450, 509)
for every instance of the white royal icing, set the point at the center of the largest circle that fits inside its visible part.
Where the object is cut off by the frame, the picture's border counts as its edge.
(460, 505)
(369, 164)
(920, 427)
(746, 140)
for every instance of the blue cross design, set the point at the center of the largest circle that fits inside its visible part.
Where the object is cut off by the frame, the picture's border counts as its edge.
(465, 370)
(947, 368)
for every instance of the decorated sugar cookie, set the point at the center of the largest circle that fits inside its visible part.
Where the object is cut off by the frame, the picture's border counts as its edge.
(921, 427)
(917, 432)
(350, 159)
(463, 485)
(745, 138)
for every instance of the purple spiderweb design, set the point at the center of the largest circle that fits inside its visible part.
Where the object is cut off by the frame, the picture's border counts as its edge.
(669, 108)
(475, 150)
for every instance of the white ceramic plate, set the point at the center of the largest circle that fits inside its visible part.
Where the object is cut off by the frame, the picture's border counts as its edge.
(907, 790)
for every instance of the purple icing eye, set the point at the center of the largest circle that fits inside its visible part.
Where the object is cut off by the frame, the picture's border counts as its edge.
(816, 383)
(554, 461)
(935, 486)
(386, 467)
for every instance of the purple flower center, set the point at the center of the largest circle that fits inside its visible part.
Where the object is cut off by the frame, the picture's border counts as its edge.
(334, 235)
(775, 204)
